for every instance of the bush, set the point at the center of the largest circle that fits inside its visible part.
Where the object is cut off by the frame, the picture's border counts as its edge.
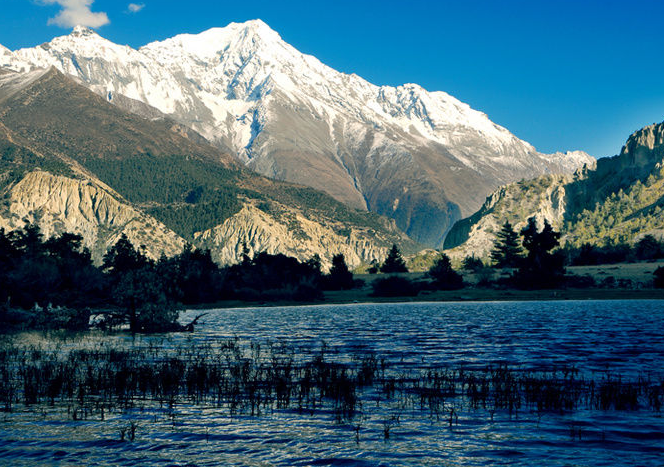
(659, 278)
(485, 277)
(580, 282)
(394, 286)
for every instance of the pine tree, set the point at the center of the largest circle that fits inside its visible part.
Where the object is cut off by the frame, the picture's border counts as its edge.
(444, 277)
(541, 268)
(394, 262)
(340, 278)
(123, 257)
(507, 252)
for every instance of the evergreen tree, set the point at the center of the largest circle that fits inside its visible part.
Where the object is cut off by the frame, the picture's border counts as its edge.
(339, 278)
(123, 257)
(394, 262)
(541, 268)
(649, 248)
(444, 277)
(507, 252)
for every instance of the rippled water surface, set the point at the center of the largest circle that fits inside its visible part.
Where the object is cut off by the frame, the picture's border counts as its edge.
(598, 338)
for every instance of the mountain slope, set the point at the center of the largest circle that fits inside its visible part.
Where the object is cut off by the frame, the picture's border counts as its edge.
(618, 201)
(161, 172)
(423, 158)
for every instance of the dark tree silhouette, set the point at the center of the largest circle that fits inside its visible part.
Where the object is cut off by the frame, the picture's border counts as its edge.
(540, 268)
(444, 277)
(8, 257)
(394, 262)
(473, 264)
(587, 255)
(123, 257)
(659, 278)
(273, 277)
(649, 248)
(191, 277)
(339, 278)
(138, 290)
(507, 252)
(314, 263)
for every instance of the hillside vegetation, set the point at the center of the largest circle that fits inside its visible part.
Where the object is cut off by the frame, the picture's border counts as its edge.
(618, 202)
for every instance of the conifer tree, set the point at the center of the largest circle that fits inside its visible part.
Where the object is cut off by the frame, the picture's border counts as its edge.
(541, 268)
(394, 262)
(507, 252)
(340, 278)
(444, 277)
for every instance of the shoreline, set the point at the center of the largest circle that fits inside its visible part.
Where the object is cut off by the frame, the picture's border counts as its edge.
(362, 296)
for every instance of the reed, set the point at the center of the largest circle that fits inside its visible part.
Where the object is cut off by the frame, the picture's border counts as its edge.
(257, 378)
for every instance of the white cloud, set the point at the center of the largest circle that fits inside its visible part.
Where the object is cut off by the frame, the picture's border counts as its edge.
(77, 12)
(135, 7)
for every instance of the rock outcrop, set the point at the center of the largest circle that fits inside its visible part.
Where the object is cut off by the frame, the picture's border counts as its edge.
(290, 234)
(60, 204)
(618, 200)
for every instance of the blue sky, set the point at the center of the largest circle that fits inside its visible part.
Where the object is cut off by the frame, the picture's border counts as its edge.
(560, 74)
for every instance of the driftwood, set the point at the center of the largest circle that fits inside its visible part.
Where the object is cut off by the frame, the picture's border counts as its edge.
(187, 327)
(113, 319)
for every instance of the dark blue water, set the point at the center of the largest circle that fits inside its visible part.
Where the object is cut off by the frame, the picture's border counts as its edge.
(598, 338)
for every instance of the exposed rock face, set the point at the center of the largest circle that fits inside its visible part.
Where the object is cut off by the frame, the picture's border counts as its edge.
(623, 193)
(288, 116)
(61, 204)
(262, 232)
(542, 198)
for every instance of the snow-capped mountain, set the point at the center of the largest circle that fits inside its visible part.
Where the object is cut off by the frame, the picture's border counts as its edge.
(423, 158)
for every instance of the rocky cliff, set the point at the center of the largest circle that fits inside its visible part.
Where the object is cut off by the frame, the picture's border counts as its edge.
(290, 234)
(617, 201)
(60, 204)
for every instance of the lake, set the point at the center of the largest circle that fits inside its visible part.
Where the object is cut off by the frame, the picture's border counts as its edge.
(598, 341)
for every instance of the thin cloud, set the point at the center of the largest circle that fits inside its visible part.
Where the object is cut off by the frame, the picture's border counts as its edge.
(75, 13)
(135, 7)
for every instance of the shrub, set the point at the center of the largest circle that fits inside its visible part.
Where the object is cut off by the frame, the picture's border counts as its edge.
(580, 282)
(394, 286)
(659, 277)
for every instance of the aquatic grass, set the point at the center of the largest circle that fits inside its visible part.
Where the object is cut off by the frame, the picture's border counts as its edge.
(260, 378)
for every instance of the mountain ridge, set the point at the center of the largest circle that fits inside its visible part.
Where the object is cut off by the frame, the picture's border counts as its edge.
(288, 116)
(159, 180)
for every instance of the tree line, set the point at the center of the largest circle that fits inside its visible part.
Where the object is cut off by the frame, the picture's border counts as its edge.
(53, 282)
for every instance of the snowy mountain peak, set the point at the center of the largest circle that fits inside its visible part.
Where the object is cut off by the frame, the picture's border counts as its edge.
(287, 115)
(241, 39)
(82, 31)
